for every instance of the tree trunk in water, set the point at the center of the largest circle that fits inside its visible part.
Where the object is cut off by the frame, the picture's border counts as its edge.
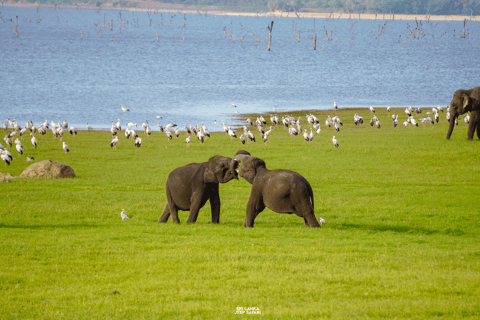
(270, 35)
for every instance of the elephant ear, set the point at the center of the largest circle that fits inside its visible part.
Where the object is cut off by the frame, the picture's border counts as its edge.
(466, 103)
(209, 176)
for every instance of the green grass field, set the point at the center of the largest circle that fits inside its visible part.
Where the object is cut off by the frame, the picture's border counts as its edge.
(401, 239)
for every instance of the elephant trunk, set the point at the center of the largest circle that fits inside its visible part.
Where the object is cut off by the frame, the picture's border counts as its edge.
(233, 167)
(453, 116)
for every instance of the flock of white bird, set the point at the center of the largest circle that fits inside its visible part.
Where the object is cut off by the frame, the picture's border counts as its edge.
(289, 122)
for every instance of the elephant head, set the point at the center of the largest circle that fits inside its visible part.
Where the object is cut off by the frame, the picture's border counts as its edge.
(463, 101)
(249, 165)
(220, 169)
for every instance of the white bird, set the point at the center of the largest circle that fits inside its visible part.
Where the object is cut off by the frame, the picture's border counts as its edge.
(158, 117)
(160, 127)
(170, 125)
(187, 130)
(72, 131)
(65, 124)
(231, 133)
(4, 156)
(305, 136)
(311, 136)
(113, 130)
(123, 215)
(127, 133)
(124, 109)
(8, 141)
(371, 109)
(200, 136)
(292, 131)
(169, 134)
(335, 105)
(337, 127)
(19, 148)
(89, 127)
(467, 119)
(113, 143)
(119, 127)
(250, 136)
(233, 105)
(188, 140)
(389, 109)
(65, 147)
(408, 112)
(148, 131)
(33, 141)
(377, 123)
(242, 138)
(138, 142)
(335, 142)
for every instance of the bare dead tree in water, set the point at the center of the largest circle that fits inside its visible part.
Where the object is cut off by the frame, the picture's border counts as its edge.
(15, 26)
(270, 35)
(149, 20)
(255, 36)
(463, 34)
(326, 33)
(315, 42)
(81, 33)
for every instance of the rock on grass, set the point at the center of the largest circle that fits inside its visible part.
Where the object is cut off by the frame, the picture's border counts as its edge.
(48, 169)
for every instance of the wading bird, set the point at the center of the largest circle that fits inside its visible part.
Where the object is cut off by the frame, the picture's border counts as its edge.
(138, 142)
(114, 142)
(188, 140)
(33, 141)
(335, 142)
(65, 147)
(123, 215)
(124, 109)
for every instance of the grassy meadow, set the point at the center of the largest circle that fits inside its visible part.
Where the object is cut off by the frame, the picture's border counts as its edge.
(401, 238)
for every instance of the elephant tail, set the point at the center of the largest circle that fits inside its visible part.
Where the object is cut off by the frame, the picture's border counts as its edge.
(311, 197)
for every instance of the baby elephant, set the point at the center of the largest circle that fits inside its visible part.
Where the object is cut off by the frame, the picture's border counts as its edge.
(189, 187)
(281, 191)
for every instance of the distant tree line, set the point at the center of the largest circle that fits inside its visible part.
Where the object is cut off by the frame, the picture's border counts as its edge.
(438, 7)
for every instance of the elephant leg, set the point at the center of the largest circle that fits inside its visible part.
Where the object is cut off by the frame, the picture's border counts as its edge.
(195, 206)
(255, 205)
(473, 125)
(478, 130)
(306, 211)
(215, 208)
(165, 215)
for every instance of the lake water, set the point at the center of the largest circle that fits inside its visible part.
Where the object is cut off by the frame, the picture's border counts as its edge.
(48, 72)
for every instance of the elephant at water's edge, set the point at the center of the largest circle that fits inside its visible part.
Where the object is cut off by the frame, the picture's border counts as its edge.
(189, 187)
(282, 191)
(464, 101)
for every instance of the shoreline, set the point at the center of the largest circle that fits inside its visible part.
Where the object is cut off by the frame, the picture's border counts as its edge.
(157, 7)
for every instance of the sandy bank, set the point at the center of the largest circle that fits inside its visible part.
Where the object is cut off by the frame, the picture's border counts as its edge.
(154, 6)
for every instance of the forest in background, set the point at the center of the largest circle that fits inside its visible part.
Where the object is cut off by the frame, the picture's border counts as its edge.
(433, 7)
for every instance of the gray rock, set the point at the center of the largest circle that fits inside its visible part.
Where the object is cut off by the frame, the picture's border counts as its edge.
(48, 169)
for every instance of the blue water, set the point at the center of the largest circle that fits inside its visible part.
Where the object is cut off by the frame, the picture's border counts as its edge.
(49, 73)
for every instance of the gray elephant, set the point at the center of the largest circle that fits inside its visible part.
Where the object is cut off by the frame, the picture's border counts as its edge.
(462, 102)
(189, 187)
(282, 191)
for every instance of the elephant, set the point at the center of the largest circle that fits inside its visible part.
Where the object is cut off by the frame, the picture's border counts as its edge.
(462, 102)
(282, 191)
(189, 187)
